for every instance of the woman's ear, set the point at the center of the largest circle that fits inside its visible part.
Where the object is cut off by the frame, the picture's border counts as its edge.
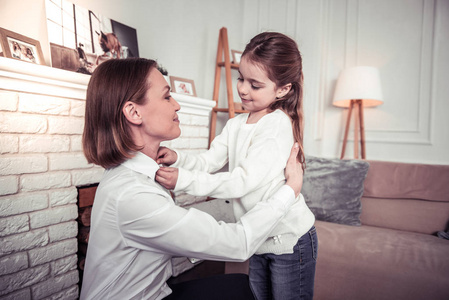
(282, 91)
(131, 113)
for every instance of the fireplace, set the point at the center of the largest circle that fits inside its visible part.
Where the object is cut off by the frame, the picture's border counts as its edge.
(86, 196)
(41, 166)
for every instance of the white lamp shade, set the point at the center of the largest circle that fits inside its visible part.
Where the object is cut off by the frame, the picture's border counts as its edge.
(358, 83)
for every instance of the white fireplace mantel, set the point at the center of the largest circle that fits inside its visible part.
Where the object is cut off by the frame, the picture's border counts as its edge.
(26, 77)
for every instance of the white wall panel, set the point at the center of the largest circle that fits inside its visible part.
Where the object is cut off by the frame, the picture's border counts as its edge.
(402, 48)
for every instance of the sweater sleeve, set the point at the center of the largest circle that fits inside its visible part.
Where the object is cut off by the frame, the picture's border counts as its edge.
(266, 158)
(209, 161)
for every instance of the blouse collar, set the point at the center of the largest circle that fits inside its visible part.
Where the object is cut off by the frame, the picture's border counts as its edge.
(142, 164)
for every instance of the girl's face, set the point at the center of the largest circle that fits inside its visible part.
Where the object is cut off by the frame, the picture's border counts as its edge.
(255, 89)
(159, 113)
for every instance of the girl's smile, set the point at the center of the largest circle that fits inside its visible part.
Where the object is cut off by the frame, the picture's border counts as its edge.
(256, 90)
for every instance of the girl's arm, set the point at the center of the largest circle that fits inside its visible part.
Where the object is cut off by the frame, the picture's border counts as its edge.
(209, 161)
(265, 159)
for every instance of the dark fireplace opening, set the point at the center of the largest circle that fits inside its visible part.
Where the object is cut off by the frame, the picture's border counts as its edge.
(85, 200)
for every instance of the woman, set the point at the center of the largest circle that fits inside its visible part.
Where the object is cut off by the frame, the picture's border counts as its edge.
(136, 228)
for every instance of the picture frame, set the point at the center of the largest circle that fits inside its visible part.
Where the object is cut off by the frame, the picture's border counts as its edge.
(20, 47)
(95, 37)
(182, 86)
(236, 56)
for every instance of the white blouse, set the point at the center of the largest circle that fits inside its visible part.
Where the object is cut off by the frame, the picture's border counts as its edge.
(136, 228)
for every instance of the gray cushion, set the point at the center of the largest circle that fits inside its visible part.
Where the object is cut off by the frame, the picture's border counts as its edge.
(332, 189)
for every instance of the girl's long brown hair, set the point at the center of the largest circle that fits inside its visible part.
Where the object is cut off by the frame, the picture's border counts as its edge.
(279, 56)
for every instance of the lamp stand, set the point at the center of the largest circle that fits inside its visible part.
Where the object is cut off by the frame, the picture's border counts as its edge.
(359, 124)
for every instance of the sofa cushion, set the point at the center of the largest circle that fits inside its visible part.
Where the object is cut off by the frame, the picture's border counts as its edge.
(332, 189)
(415, 215)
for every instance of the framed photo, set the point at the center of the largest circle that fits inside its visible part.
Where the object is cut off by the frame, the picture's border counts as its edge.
(182, 86)
(236, 56)
(20, 47)
(95, 38)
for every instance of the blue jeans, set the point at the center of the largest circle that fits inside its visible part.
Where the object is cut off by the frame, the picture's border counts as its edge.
(286, 276)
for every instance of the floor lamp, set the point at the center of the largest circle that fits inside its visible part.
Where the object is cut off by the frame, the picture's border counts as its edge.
(357, 87)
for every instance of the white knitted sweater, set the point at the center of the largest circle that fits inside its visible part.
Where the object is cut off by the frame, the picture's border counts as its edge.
(257, 155)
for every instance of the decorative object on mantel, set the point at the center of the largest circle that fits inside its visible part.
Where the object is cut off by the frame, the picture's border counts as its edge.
(182, 86)
(164, 73)
(90, 39)
(236, 56)
(20, 47)
(161, 69)
(357, 87)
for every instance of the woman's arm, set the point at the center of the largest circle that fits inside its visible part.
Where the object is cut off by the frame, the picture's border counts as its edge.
(158, 225)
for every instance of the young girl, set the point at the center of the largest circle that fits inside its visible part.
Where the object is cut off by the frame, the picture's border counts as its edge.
(256, 146)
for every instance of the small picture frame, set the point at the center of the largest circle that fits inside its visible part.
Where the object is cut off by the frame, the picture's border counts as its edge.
(20, 47)
(182, 86)
(236, 56)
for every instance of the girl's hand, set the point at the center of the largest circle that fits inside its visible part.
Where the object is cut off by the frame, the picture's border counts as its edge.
(293, 171)
(166, 156)
(167, 177)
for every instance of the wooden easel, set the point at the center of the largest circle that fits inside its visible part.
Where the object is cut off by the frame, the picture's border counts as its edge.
(223, 60)
(359, 124)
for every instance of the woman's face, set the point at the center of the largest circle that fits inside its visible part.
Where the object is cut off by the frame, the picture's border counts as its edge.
(159, 118)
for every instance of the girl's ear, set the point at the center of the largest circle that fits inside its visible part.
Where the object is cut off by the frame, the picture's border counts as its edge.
(282, 91)
(131, 113)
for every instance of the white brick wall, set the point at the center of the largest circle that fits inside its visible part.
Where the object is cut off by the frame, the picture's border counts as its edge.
(41, 164)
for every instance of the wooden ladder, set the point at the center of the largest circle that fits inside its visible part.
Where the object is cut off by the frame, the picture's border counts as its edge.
(223, 60)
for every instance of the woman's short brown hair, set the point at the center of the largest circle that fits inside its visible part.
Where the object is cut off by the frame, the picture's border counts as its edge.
(107, 140)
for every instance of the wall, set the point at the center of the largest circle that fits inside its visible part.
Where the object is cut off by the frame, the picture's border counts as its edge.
(406, 39)
(182, 36)
(42, 163)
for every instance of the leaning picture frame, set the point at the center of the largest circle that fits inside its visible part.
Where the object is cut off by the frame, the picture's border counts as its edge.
(20, 47)
(182, 86)
(236, 56)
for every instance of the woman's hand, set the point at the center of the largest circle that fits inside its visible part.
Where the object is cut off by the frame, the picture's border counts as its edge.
(293, 171)
(166, 156)
(167, 177)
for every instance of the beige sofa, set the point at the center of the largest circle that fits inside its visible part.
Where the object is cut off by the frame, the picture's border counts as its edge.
(395, 253)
